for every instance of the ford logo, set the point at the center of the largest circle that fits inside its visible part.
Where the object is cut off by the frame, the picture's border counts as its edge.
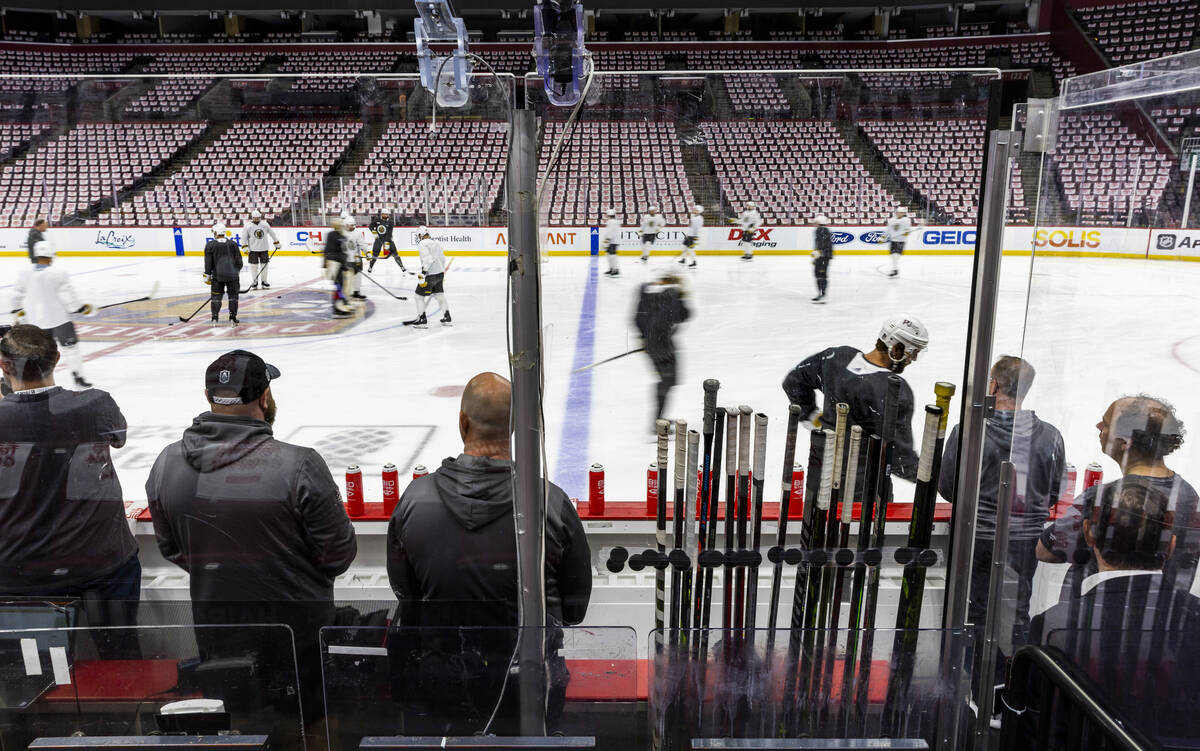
(841, 238)
(874, 237)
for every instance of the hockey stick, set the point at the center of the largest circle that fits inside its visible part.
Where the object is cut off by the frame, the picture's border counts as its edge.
(826, 627)
(371, 279)
(150, 296)
(908, 614)
(710, 542)
(710, 418)
(689, 530)
(789, 458)
(677, 523)
(756, 477)
(660, 526)
(811, 580)
(194, 312)
(839, 571)
(865, 517)
(731, 426)
(258, 273)
(742, 513)
(610, 359)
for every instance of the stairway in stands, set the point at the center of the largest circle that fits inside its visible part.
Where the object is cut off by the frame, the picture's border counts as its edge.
(346, 167)
(877, 167)
(701, 172)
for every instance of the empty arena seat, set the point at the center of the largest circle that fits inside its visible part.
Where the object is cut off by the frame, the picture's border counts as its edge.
(1140, 30)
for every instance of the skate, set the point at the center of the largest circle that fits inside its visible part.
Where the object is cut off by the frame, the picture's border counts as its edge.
(266, 286)
(681, 259)
(359, 296)
(747, 257)
(233, 320)
(371, 267)
(894, 272)
(644, 258)
(446, 319)
(819, 300)
(253, 286)
(81, 382)
(692, 265)
(343, 314)
(419, 322)
(214, 321)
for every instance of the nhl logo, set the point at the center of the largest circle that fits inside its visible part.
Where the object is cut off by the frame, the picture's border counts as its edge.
(223, 376)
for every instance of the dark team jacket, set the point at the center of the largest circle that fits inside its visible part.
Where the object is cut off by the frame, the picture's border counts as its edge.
(1064, 537)
(335, 247)
(34, 237)
(824, 243)
(62, 512)
(842, 374)
(451, 554)
(660, 309)
(1035, 448)
(248, 516)
(381, 227)
(222, 259)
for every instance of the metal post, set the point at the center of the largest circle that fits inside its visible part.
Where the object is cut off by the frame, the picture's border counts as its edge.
(991, 639)
(1137, 177)
(321, 187)
(1187, 199)
(425, 180)
(1002, 148)
(526, 364)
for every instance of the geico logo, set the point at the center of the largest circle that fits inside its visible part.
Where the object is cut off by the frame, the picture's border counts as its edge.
(949, 237)
(759, 235)
(1072, 238)
(841, 238)
(873, 237)
(305, 235)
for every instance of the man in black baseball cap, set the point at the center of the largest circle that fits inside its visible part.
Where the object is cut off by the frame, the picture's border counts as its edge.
(258, 523)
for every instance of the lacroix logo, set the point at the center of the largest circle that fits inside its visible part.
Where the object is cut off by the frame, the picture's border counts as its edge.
(1070, 238)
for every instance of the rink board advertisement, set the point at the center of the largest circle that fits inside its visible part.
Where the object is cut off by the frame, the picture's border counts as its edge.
(1110, 242)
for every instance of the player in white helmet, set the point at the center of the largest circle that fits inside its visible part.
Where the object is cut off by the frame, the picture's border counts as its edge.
(358, 245)
(43, 297)
(257, 239)
(429, 282)
(336, 262)
(750, 221)
(222, 270)
(652, 224)
(610, 238)
(896, 233)
(844, 374)
(692, 235)
(822, 255)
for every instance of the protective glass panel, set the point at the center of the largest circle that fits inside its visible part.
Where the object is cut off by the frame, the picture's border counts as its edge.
(421, 682)
(59, 682)
(805, 683)
(1102, 532)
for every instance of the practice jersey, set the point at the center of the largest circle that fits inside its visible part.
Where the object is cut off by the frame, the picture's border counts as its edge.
(258, 237)
(824, 242)
(222, 261)
(612, 232)
(46, 295)
(750, 219)
(358, 243)
(652, 224)
(433, 257)
(660, 309)
(843, 374)
(382, 226)
(898, 228)
(695, 225)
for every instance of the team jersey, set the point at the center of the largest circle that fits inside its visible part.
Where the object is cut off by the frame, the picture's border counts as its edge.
(898, 228)
(222, 261)
(652, 224)
(358, 243)
(382, 226)
(46, 295)
(612, 232)
(750, 219)
(433, 257)
(695, 224)
(258, 237)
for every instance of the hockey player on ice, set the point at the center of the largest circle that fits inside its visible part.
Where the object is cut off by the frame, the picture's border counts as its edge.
(822, 255)
(222, 269)
(749, 220)
(843, 374)
(652, 224)
(660, 309)
(429, 282)
(336, 259)
(692, 236)
(610, 239)
(382, 225)
(896, 234)
(44, 297)
(357, 243)
(257, 235)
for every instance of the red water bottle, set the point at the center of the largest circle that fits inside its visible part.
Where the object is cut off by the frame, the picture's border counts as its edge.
(1068, 492)
(652, 490)
(391, 488)
(596, 490)
(354, 491)
(796, 500)
(419, 471)
(1093, 475)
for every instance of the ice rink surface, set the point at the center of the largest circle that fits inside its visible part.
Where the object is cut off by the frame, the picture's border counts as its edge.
(371, 390)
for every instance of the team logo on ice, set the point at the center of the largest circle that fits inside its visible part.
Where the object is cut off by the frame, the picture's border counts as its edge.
(298, 312)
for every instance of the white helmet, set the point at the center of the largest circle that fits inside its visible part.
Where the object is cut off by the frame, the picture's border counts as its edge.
(907, 330)
(347, 219)
(901, 209)
(821, 219)
(653, 209)
(219, 230)
(750, 205)
(256, 214)
(697, 209)
(43, 249)
(610, 212)
(422, 231)
(387, 210)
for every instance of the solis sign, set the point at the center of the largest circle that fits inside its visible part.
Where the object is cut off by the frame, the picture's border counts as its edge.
(1067, 238)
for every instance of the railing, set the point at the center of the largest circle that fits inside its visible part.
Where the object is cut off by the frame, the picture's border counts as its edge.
(1069, 711)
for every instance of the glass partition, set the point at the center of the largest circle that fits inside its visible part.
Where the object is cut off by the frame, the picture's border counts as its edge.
(1094, 398)
(80, 681)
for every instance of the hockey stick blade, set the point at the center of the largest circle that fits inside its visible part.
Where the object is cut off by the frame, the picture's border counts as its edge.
(153, 291)
(371, 279)
(610, 359)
